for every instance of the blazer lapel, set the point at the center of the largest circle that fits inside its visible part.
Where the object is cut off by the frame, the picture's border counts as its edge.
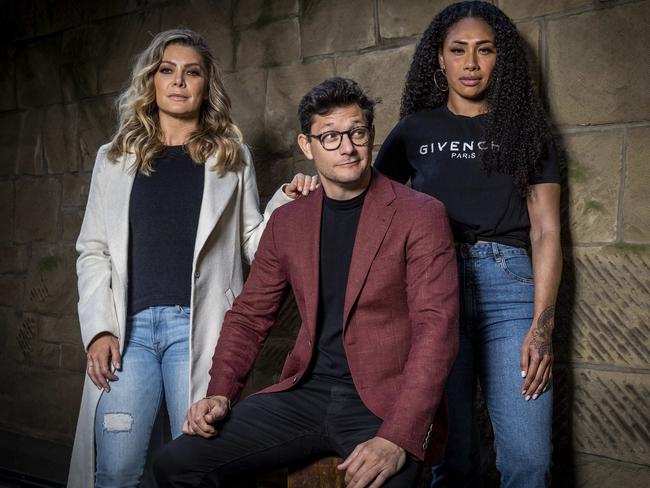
(308, 256)
(217, 191)
(117, 199)
(375, 219)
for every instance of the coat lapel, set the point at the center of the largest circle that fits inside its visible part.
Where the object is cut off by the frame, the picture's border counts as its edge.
(217, 191)
(117, 200)
(375, 219)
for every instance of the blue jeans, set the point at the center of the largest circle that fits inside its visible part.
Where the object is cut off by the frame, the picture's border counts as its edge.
(155, 365)
(496, 311)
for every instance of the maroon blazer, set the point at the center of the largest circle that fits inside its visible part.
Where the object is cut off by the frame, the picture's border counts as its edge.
(400, 329)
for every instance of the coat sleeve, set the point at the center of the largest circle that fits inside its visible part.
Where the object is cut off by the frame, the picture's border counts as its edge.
(246, 325)
(432, 294)
(94, 266)
(252, 223)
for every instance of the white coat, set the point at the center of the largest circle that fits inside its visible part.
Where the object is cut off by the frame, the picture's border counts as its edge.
(229, 223)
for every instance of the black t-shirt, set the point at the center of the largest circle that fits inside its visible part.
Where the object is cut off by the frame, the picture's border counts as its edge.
(441, 152)
(338, 230)
(163, 219)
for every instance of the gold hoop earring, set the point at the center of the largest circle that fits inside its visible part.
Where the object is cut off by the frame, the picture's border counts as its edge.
(445, 84)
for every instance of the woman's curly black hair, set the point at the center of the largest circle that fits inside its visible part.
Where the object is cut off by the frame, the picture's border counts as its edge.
(516, 120)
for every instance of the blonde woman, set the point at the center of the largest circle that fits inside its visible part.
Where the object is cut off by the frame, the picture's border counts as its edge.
(172, 209)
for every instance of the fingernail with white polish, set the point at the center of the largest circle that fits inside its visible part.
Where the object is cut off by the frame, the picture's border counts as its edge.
(523, 373)
(528, 398)
(535, 396)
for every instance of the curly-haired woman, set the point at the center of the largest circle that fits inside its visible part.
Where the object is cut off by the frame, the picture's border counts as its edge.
(173, 206)
(474, 135)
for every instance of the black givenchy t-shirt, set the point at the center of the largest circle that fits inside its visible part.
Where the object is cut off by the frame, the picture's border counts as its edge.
(441, 152)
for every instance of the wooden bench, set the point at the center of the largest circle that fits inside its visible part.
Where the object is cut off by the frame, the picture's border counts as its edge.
(319, 474)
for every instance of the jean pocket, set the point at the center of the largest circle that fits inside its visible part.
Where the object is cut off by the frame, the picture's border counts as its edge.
(518, 267)
(183, 310)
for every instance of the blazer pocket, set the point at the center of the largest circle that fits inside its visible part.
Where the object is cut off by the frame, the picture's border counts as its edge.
(230, 297)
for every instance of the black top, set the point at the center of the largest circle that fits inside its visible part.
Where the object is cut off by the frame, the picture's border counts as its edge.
(440, 152)
(338, 230)
(163, 218)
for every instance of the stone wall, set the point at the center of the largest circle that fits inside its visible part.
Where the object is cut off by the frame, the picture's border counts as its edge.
(64, 61)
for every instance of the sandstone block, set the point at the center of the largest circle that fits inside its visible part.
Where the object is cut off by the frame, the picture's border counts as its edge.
(72, 220)
(609, 414)
(75, 189)
(37, 209)
(64, 329)
(126, 37)
(82, 50)
(79, 80)
(210, 19)
(601, 82)
(271, 45)
(10, 327)
(56, 392)
(393, 64)
(109, 8)
(6, 210)
(247, 90)
(636, 200)
(336, 25)
(303, 165)
(7, 78)
(37, 18)
(31, 159)
(73, 357)
(250, 11)
(594, 166)
(604, 306)
(13, 259)
(271, 174)
(11, 290)
(37, 72)
(285, 87)
(603, 473)
(51, 281)
(10, 125)
(517, 9)
(531, 35)
(46, 354)
(97, 122)
(61, 138)
(403, 18)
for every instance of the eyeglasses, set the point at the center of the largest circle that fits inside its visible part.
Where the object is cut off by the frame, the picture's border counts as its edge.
(332, 139)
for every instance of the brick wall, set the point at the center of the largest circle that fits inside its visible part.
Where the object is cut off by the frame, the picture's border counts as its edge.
(64, 61)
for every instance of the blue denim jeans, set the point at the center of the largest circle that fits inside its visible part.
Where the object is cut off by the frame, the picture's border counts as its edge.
(155, 365)
(496, 311)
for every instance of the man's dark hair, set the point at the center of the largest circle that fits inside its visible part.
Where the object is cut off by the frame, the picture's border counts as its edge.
(330, 94)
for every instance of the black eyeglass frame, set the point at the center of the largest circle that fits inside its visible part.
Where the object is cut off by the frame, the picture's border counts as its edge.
(319, 136)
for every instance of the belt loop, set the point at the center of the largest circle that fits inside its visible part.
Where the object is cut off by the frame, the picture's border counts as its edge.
(497, 252)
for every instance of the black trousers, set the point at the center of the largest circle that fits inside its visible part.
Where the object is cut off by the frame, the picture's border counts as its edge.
(275, 430)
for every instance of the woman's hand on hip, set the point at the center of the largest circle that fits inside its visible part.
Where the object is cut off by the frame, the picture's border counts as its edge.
(537, 355)
(103, 352)
(301, 186)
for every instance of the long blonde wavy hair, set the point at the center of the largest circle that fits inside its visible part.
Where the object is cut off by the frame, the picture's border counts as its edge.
(139, 130)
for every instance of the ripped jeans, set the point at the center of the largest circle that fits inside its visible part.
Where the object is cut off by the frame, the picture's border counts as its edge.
(155, 365)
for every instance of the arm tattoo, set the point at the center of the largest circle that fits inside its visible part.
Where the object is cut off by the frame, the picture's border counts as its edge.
(542, 334)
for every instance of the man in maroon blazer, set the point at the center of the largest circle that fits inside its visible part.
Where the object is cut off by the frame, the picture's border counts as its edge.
(371, 265)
